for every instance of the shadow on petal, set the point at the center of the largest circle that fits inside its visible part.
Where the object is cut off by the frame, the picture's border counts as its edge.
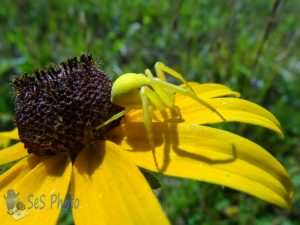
(133, 137)
(113, 190)
(207, 154)
(51, 168)
(95, 153)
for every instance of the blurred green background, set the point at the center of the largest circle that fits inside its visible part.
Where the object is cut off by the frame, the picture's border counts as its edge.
(253, 46)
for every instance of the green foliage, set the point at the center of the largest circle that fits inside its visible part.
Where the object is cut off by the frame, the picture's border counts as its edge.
(151, 178)
(239, 43)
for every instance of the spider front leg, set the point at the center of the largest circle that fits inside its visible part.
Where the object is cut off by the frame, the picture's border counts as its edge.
(113, 118)
(183, 91)
(147, 94)
(161, 69)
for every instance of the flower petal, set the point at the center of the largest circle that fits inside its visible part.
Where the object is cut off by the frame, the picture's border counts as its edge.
(4, 142)
(209, 155)
(12, 153)
(39, 182)
(112, 190)
(211, 90)
(10, 134)
(18, 171)
(232, 109)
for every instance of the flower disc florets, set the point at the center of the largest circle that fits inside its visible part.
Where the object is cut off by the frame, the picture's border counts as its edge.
(59, 108)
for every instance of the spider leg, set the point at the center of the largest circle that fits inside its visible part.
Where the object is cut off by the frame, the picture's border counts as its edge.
(111, 119)
(154, 97)
(187, 92)
(148, 73)
(160, 68)
(144, 93)
(166, 96)
(175, 112)
(159, 71)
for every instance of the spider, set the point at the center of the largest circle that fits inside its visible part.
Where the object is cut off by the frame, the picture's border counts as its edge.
(135, 91)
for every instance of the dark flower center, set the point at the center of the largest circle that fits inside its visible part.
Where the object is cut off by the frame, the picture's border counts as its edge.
(59, 108)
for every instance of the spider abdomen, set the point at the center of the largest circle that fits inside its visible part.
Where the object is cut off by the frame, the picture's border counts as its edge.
(126, 89)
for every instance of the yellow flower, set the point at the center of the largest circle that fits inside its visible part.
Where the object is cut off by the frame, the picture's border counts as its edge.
(105, 178)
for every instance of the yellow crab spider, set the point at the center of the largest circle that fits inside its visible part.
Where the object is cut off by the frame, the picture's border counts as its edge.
(134, 91)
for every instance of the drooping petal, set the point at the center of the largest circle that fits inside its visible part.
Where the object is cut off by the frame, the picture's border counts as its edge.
(6, 137)
(12, 153)
(18, 171)
(209, 155)
(41, 183)
(112, 190)
(211, 90)
(4, 142)
(232, 109)
(10, 134)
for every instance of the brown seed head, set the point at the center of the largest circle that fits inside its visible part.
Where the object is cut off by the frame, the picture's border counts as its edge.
(58, 109)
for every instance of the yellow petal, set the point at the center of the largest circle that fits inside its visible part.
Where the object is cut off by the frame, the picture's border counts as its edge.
(18, 171)
(12, 153)
(209, 155)
(210, 90)
(4, 142)
(10, 134)
(232, 109)
(112, 190)
(43, 182)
